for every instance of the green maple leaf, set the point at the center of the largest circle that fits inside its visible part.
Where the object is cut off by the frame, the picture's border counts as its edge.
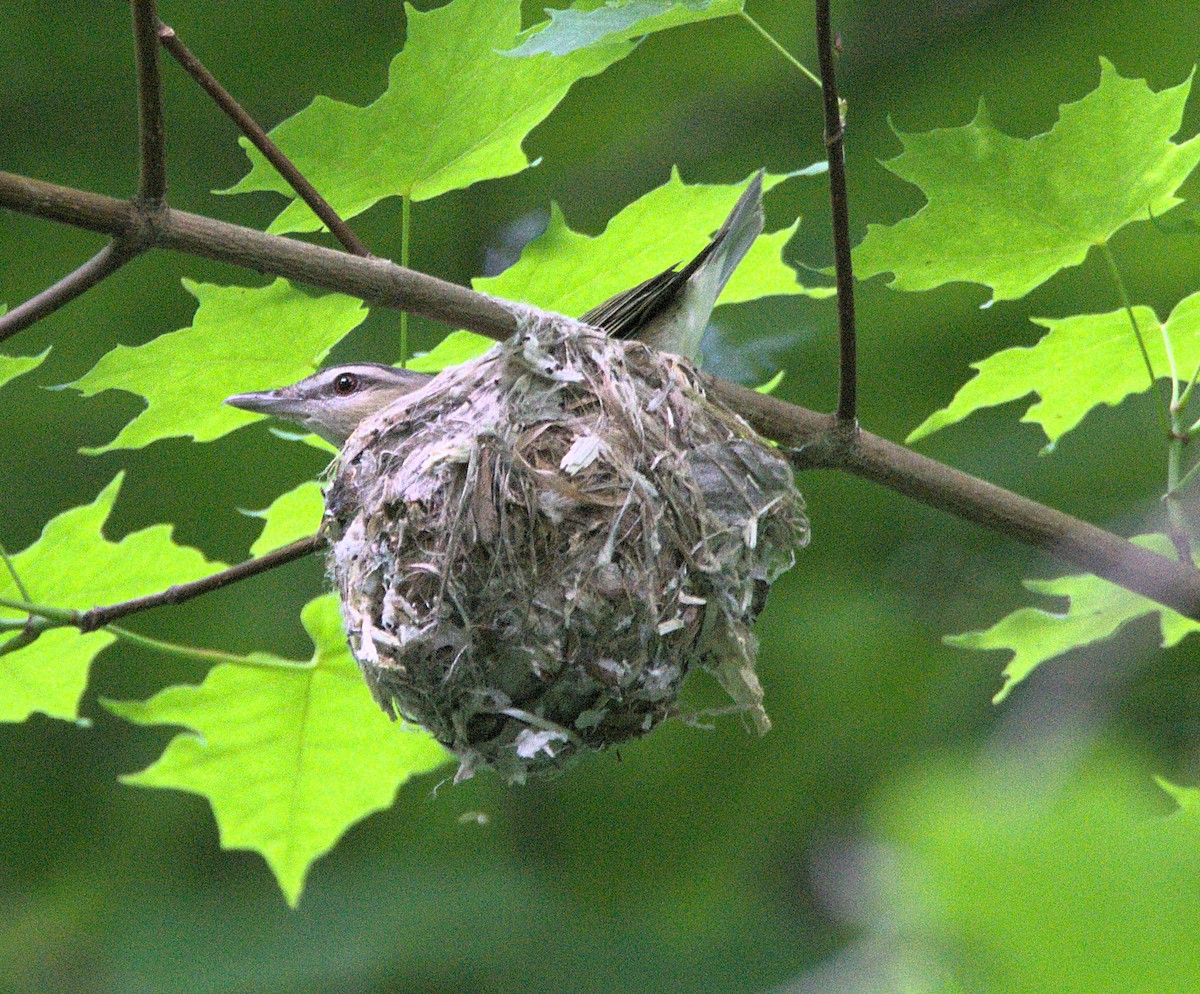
(13, 366)
(72, 565)
(568, 272)
(241, 339)
(590, 23)
(1097, 609)
(1082, 361)
(291, 516)
(455, 112)
(289, 755)
(1010, 212)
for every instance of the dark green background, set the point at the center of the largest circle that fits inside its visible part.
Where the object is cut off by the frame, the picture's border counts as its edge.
(698, 859)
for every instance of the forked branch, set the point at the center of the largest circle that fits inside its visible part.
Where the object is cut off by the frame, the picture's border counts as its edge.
(816, 440)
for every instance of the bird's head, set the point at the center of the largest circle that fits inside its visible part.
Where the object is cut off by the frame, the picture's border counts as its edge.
(332, 402)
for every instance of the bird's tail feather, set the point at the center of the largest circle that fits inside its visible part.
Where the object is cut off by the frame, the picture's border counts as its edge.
(737, 234)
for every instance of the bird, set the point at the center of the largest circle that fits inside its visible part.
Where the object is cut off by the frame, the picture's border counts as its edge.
(668, 312)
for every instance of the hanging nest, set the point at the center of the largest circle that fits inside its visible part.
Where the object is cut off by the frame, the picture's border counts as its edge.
(533, 550)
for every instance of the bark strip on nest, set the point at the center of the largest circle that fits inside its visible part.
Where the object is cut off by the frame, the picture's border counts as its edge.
(534, 549)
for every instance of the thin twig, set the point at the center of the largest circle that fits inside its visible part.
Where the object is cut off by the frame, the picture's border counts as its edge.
(814, 435)
(847, 402)
(261, 140)
(98, 617)
(152, 184)
(104, 263)
(43, 618)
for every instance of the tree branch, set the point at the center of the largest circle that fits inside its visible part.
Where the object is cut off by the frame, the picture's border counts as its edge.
(105, 262)
(152, 183)
(817, 439)
(835, 133)
(259, 138)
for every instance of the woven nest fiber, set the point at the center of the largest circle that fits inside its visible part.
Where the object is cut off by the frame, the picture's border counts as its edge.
(534, 550)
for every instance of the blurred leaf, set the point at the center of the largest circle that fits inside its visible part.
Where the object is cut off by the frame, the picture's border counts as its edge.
(241, 339)
(589, 23)
(1188, 798)
(1011, 212)
(567, 272)
(288, 755)
(455, 112)
(291, 516)
(1097, 609)
(1083, 361)
(13, 366)
(1039, 875)
(73, 566)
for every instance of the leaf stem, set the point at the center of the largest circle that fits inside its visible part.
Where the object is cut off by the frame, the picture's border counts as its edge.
(205, 655)
(1123, 294)
(780, 49)
(405, 233)
(12, 571)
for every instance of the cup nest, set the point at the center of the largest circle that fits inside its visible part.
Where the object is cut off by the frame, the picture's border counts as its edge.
(534, 549)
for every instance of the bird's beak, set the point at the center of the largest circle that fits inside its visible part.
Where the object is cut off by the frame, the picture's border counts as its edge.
(274, 402)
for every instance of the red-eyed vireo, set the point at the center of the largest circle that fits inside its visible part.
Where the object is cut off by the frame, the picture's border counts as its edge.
(668, 312)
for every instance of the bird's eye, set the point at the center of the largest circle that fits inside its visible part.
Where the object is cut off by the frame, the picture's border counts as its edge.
(346, 383)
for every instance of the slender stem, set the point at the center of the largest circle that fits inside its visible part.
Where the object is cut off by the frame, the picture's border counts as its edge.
(814, 437)
(847, 402)
(103, 264)
(205, 655)
(405, 236)
(260, 140)
(780, 49)
(1187, 391)
(152, 185)
(65, 616)
(1127, 305)
(12, 571)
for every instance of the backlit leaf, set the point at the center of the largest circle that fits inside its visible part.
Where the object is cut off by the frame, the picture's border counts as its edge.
(1097, 609)
(289, 755)
(1009, 212)
(241, 339)
(72, 565)
(455, 112)
(1081, 362)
